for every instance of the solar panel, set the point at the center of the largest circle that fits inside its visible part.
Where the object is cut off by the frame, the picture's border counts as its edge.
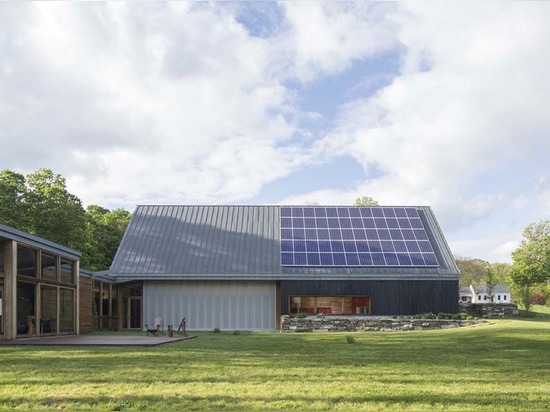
(317, 236)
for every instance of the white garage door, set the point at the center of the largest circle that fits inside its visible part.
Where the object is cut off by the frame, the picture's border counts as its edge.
(209, 305)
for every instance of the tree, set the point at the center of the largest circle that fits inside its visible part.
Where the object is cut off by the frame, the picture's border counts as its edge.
(40, 204)
(490, 282)
(104, 231)
(53, 212)
(365, 201)
(13, 209)
(472, 271)
(532, 259)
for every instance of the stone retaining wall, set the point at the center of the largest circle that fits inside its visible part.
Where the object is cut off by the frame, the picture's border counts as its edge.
(490, 310)
(366, 324)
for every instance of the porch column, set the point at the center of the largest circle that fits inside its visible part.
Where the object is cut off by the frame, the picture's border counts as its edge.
(77, 297)
(10, 289)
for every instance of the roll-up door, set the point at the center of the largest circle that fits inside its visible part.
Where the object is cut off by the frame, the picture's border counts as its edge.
(228, 305)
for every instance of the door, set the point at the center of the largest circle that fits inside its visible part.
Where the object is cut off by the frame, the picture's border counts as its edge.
(134, 312)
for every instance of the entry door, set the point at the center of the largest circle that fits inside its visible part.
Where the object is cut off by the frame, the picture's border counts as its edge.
(134, 312)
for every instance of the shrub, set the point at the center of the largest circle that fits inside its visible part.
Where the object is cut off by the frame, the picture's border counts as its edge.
(350, 339)
(538, 299)
(236, 332)
(217, 330)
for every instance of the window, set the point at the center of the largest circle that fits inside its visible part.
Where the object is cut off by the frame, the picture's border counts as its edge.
(1, 258)
(498, 297)
(67, 271)
(49, 267)
(26, 262)
(504, 297)
(484, 297)
(66, 310)
(478, 297)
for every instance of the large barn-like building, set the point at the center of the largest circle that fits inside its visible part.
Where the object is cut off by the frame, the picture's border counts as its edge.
(241, 267)
(231, 267)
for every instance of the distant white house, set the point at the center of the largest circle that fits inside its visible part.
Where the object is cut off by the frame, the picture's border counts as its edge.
(479, 294)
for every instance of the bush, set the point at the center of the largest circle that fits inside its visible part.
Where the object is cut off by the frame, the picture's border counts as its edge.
(350, 339)
(217, 330)
(538, 299)
(236, 332)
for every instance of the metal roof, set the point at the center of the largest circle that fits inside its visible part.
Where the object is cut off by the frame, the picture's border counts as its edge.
(500, 288)
(239, 242)
(10, 233)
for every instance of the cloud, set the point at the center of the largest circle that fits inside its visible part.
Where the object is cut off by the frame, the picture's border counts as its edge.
(325, 37)
(463, 127)
(166, 102)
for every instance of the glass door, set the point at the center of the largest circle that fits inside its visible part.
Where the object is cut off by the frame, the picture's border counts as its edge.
(134, 312)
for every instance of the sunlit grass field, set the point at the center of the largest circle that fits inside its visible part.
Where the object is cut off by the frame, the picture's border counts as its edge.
(501, 365)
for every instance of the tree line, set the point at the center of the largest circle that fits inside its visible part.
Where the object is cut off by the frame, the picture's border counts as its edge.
(39, 203)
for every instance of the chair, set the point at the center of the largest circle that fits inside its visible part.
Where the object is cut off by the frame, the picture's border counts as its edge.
(158, 327)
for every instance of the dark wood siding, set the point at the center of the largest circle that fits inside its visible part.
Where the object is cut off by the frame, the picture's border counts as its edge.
(388, 297)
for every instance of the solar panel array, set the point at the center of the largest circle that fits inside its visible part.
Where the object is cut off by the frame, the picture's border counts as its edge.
(354, 236)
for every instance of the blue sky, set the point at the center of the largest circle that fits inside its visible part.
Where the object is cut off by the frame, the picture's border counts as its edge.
(288, 103)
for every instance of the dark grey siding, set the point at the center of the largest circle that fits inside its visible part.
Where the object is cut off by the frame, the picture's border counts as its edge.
(388, 297)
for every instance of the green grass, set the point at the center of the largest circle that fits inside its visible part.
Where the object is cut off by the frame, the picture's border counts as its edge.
(539, 309)
(501, 365)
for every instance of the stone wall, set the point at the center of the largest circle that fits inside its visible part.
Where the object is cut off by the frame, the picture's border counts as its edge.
(366, 324)
(490, 310)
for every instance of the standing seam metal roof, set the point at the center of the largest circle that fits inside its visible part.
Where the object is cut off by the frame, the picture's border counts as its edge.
(230, 242)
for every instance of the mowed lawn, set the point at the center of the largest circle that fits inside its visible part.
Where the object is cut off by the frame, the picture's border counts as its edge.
(501, 365)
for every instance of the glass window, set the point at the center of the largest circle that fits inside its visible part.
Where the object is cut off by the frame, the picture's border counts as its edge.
(1, 257)
(66, 310)
(26, 261)
(49, 267)
(48, 304)
(67, 271)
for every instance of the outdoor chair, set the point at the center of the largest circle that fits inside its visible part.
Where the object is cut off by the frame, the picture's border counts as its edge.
(157, 329)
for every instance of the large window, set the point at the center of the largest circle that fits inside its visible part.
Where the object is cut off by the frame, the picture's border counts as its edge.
(48, 309)
(330, 305)
(26, 262)
(26, 313)
(66, 310)
(49, 267)
(1, 306)
(1, 258)
(67, 271)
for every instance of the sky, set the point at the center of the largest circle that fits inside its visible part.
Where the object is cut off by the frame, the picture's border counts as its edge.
(444, 104)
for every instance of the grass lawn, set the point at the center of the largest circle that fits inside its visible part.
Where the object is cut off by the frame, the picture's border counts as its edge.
(501, 365)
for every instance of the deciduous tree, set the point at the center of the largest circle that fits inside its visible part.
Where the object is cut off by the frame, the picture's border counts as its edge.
(54, 213)
(532, 259)
(13, 208)
(104, 231)
(365, 201)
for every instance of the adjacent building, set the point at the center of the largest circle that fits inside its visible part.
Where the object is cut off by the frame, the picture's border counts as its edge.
(480, 294)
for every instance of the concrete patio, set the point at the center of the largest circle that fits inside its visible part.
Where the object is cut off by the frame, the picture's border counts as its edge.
(95, 340)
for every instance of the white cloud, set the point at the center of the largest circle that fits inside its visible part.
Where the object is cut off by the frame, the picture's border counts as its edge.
(166, 102)
(464, 126)
(325, 37)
